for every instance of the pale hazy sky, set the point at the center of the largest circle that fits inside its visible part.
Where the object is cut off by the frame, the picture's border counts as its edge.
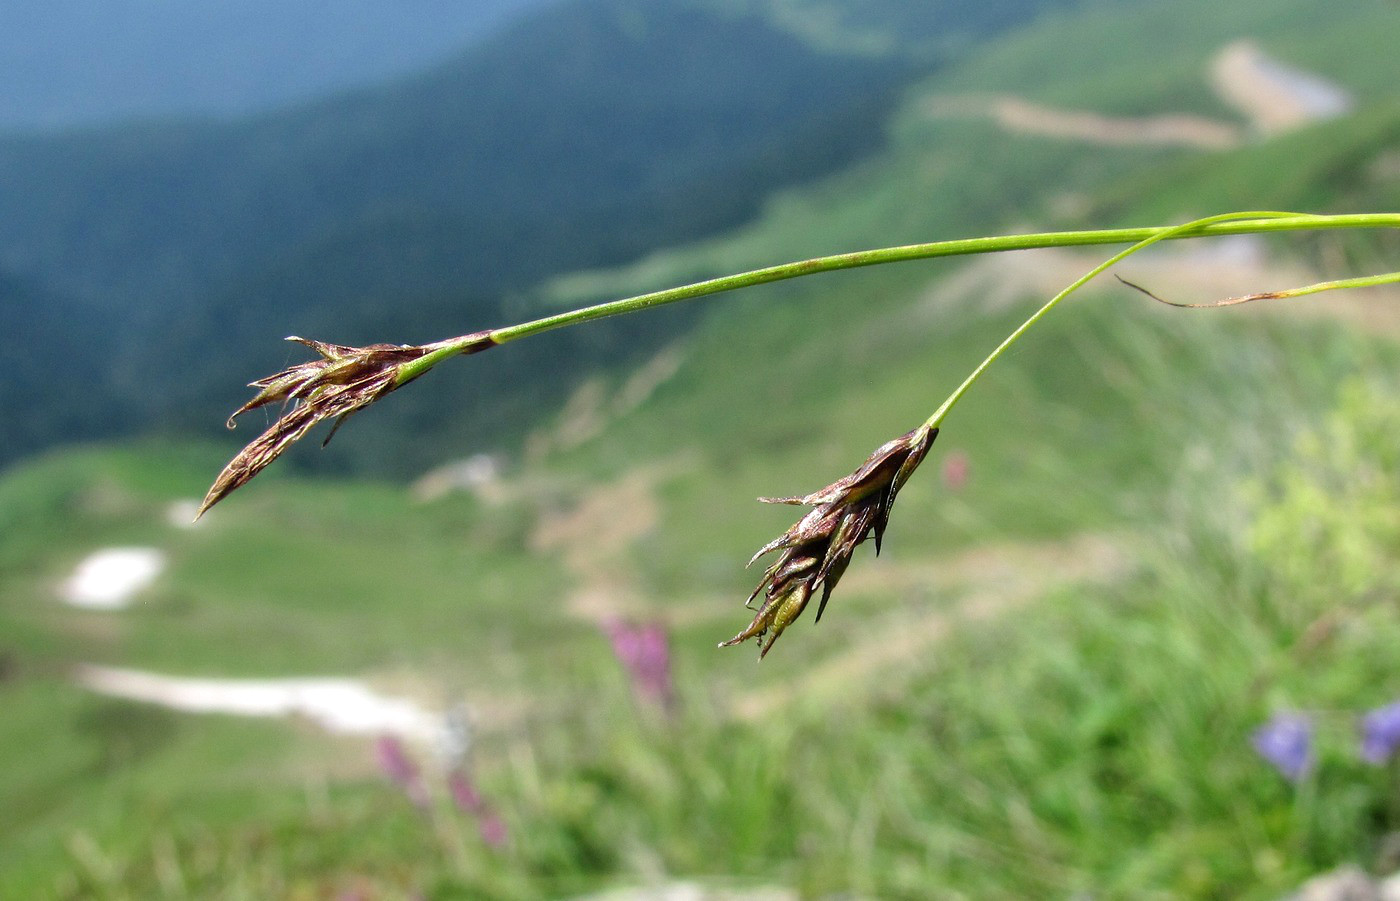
(76, 62)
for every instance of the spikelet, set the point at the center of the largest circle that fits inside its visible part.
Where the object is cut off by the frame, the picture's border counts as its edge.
(814, 553)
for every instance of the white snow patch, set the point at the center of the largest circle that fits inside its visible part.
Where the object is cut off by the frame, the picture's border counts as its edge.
(343, 706)
(109, 579)
(479, 474)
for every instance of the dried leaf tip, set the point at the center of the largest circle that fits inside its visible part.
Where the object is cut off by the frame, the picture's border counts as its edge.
(342, 381)
(815, 552)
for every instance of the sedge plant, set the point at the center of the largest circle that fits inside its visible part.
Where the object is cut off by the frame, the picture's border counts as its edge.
(814, 553)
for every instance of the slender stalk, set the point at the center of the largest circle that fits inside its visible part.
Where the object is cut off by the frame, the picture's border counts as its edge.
(347, 379)
(1246, 223)
(815, 551)
(1190, 228)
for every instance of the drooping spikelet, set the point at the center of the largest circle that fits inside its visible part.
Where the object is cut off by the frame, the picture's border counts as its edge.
(815, 552)
(343, 381)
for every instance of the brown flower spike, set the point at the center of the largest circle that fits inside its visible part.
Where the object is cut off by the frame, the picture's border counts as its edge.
(343, 381)
(817, 550)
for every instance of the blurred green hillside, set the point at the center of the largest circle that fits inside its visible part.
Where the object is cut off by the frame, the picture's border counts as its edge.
(1169, 527)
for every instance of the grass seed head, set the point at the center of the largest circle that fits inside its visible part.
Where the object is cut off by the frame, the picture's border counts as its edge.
(342, 381)
(814, 553)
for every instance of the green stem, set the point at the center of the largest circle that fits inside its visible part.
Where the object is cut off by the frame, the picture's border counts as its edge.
(1166, 234)
(1361, 281)
(1215, 226)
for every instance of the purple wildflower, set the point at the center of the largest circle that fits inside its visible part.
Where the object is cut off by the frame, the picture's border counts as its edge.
(395, 763)
(1380, 733)
(489, 824)
(645, 652)
(1286, 742)
(464, 793)
(492, 830)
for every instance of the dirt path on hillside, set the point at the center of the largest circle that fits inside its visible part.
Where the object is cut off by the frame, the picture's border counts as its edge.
(1272, 96)
(594, 537)
(1020, 116)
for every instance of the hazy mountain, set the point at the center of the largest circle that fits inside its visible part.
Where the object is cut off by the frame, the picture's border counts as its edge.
(55, 380)
(581, 136)
(923, 29)
(67, 63)
(594, 106)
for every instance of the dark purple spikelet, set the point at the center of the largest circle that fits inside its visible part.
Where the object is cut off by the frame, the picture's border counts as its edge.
(1286, 742)
(342, 382)
(814, 553)
(1380, 733)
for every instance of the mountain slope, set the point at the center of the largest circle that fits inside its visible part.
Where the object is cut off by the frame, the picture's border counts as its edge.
(948, 177)
(56, 389)
(578, 111)
(584, 136)
(587, 137)
(933, 29)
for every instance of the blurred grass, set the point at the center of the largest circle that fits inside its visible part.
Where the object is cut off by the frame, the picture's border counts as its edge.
(1097, 740)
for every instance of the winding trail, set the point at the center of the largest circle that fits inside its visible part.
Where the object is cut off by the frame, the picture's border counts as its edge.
(1019, 116)
(1272, 96)
(594, 538)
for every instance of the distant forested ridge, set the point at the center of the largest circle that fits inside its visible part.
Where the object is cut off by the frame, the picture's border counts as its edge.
(585, 135)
